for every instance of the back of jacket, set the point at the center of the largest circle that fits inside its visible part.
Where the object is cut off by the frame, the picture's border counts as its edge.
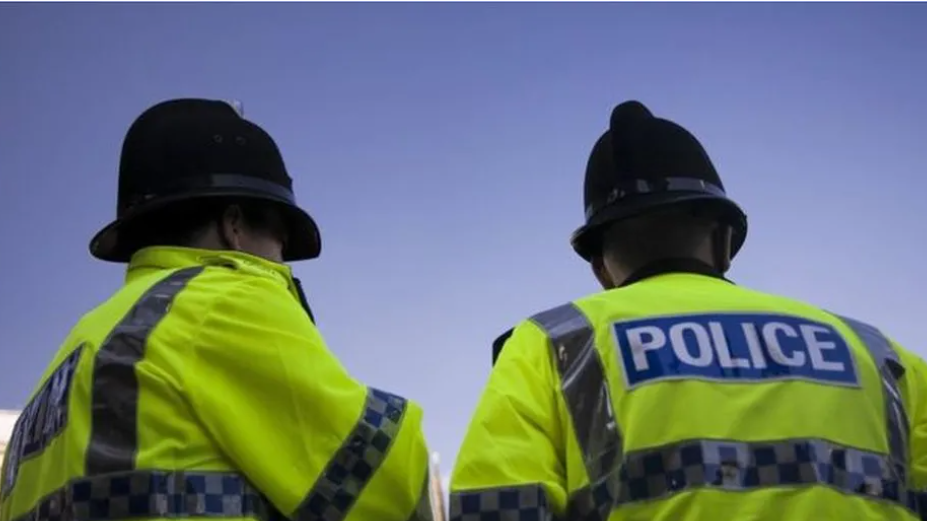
(684, 397)
(202, 388)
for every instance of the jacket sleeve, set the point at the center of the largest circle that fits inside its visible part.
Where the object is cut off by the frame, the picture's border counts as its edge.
(510, 463)
(313, 440)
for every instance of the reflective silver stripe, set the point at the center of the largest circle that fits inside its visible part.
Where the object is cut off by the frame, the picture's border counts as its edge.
(585, 391)
(896, 418)
(114, 406)
(648, 186)
(154, 494)
(890, 370)
(349, 470)
(729, 465)
(520, 503)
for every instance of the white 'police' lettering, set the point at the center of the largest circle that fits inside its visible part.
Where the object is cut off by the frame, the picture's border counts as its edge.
(702, 345)
(733, 347)
(40, 421)
(725, 358)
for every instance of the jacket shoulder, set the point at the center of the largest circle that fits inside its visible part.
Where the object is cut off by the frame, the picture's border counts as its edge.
(558, 323)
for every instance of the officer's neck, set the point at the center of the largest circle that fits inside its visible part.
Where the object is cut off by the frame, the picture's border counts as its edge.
(672, 265)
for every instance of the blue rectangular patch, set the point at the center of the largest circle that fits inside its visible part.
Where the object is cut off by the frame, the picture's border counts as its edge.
(733, 347)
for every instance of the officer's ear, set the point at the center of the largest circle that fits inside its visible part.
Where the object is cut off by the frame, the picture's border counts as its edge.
(601, 272)
(231, 224)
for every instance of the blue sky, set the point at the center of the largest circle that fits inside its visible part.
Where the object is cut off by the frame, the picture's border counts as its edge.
(441, 148)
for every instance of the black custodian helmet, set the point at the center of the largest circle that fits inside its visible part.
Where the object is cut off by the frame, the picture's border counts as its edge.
(643, 164)
(188, 149)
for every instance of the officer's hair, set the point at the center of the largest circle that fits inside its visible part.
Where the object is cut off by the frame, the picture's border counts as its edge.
(185, 223)
(674, 233)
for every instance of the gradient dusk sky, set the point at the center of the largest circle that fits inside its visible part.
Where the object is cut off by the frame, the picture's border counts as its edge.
(441, 148)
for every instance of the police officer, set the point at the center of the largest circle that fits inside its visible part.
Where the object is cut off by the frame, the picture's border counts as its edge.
(202, 387)
(677, 395)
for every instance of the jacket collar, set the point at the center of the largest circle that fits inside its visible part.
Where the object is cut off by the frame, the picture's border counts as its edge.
(159, 258)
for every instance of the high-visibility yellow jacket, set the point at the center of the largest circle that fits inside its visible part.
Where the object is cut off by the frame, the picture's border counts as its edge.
(683, 397)
(202, 388)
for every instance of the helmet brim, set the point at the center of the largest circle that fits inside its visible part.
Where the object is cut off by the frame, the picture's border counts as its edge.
(304, 241)
(587, 240)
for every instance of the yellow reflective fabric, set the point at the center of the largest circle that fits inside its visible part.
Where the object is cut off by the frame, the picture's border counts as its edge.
(203, 389)
(258, 360)
(762, 438)
(517, 436)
